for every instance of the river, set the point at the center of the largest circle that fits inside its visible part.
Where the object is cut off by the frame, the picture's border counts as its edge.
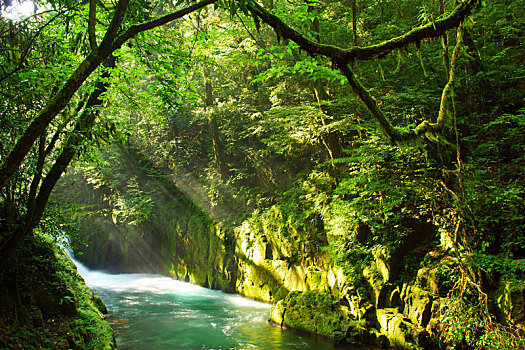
(157, 312)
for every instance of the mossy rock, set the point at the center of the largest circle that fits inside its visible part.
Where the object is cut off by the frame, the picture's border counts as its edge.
(68, 303)
(99, 304)
(277, 313)
(55, 309)
(260, 282)
(417, 305)
(376, 283)
(510, 300)
(317, 312)
(400, 332)
(316, 279)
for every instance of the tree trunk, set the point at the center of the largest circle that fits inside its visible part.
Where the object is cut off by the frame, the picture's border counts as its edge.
(218, 150)
(36, 206)
(62, 98)
(354, 20)
(330, 139)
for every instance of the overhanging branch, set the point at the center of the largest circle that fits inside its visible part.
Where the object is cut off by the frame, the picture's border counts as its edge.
(139, 28)
(345, 56)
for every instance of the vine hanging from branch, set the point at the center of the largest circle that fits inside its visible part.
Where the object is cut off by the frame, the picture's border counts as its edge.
(342, 58)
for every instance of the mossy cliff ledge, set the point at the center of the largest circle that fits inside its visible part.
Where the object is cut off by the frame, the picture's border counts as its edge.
(312, 293)
(390, 297)
(45, 304)
(331, 256)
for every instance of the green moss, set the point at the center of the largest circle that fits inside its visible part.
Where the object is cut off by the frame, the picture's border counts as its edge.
(316, 279)
(318, 312)
(46, 305)
(99, 304)
(277, 313)
(510, 300)
(375, 281)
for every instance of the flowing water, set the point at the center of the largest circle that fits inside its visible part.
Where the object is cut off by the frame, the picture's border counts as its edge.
(157, 312)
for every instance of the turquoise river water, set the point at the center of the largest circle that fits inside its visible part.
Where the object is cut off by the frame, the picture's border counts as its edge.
(157, 312)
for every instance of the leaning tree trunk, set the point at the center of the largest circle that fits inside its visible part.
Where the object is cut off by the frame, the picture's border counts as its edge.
(37, 203)
(111, 42)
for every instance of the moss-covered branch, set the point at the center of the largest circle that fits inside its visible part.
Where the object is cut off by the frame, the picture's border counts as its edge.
(110, 43)
(384, 124)
(427, 128)
(345, 56)
(37, 203)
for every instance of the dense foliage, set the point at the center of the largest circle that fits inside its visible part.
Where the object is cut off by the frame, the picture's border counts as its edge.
(369, 148)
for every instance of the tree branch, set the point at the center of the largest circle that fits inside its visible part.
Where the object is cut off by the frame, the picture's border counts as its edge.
(384, 124)
(109, 44)
(449, 88)
(80, 132)
(345, 56)
(139, 28)
(92, 24)
(38, 175)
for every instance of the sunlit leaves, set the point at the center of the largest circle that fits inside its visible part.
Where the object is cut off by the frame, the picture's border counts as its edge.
(288, 129)
(131, 206)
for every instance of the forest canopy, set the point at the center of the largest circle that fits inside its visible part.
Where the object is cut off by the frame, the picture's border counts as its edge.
(352, 113)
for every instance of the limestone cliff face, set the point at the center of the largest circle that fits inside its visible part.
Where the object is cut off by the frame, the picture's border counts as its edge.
(274, 259)
(270, 257)
(276, 264)
(266, 258)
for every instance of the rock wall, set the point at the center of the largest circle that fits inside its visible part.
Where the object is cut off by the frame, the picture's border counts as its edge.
(270, 257)
(274, 260)
(267, 258)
